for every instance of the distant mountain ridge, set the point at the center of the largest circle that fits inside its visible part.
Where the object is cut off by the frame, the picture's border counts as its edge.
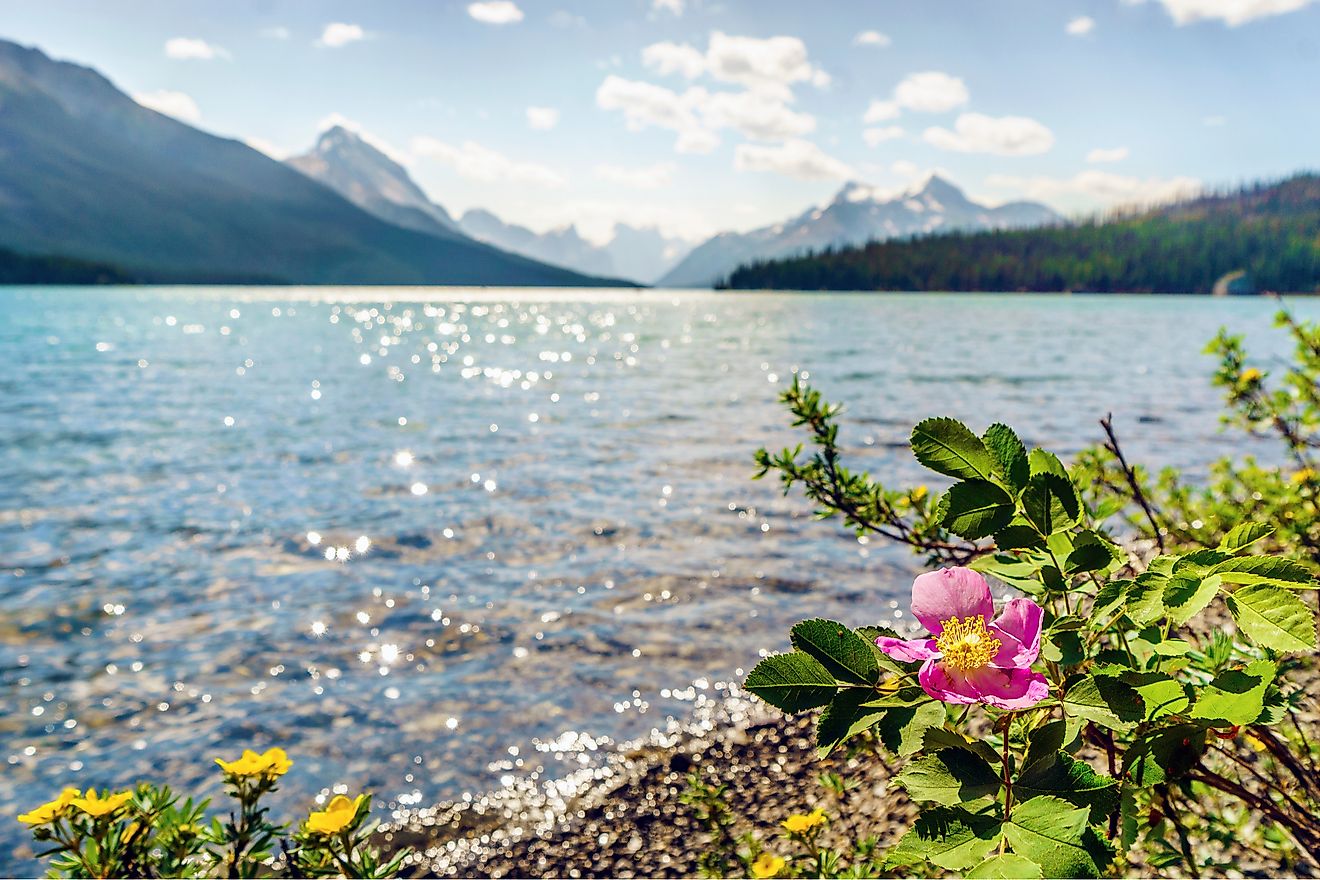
(89, 174)
(858, 214)
(1256, 238)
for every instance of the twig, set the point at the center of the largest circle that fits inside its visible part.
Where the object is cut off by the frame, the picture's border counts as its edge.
(1130, 475)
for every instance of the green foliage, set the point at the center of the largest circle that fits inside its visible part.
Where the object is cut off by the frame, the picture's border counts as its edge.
(1149, 686)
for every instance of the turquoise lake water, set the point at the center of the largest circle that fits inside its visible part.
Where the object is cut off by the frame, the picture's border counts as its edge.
(417, 536)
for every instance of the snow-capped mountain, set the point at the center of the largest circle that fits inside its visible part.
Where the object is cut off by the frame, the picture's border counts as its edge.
(562, 247)
(857, 214)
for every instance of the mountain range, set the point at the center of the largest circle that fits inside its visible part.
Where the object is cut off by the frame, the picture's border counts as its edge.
(858, 214)
(365, 175)
(89, 174)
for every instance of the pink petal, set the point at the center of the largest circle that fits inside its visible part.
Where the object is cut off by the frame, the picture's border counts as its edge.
(907, 651)
(950, 592)
(946, 683)
(1018, 631)
(1012, 688)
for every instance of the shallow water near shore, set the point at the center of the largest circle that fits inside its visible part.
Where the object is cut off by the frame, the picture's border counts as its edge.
(430, 539)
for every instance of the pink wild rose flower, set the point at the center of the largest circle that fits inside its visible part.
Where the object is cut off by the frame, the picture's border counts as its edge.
(971, 658)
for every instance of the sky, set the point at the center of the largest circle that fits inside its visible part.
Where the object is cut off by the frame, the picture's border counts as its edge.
(699, 116)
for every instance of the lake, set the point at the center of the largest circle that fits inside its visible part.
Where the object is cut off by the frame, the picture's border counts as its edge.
(428, 538)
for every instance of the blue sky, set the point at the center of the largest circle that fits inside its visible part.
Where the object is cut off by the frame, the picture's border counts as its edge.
(701, 116)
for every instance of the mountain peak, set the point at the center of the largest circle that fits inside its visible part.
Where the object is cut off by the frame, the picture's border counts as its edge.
(939, 188)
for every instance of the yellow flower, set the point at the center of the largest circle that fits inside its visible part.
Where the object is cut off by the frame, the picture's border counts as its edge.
(335, 817)
(767, 865)
(1305, 475)
(272, 762)
(1249, 375)
(800, 824)
(49, 812)
(96, 806)
(918, 493)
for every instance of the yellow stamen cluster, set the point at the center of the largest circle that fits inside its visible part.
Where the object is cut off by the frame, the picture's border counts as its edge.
(966, 644)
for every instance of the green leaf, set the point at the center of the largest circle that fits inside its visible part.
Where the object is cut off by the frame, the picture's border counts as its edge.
(903, 729)
(1104, 700)
(951, 839)
(1043, 745)
(1273, 617)
(937, 738)
(977, 508)
(1258, 569)
(903, 697)
(1185, 597)
(1090, 553)
(1165, 754)
(1107, 600)
(1072, 780)
(1050, 503)
(844, 653)
(1019, 573)
(948, 778)
(1162, 694)
(1236, 696)
(1009, 454)
(844, 718)
(1009, 866)
(792, 682)
(1055, 835)
(1144, 598)
(1018, 537)
(1043, 462)
(947, 446)
(1244, 535)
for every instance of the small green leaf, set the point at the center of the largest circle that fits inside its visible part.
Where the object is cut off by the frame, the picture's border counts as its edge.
(937, 738)
(1104, 700)
(1055, 835)
(951, 839)
(1009, 454)
(1107, 600)
(1162, 694)
(1259, 569)
(844, 653)
(1144, 598)
(1018, 537)
(844, 718)
(1273, 617)
(1009, 866)
(948, 778)
(1050, 503)
(792, 682)
(1164, 755)
(977, 508)
(1244, 535)
(1185, 597)
(1236, 696)
(947, 446)
(1043, 462)
(903, 729)
(1090, 553)
(1072, 780)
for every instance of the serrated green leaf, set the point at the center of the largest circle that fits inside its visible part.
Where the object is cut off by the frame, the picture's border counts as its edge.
(977, 508)
(1164, 755)
(1055, 835)
(1072, 780)
(1108, 599)
(1244, 535)
(844, 653)
(1042, 462)
(951, 839)
(937, 738)
(1143, 601)
(1009, 866)
(1090, 553)
(1236, 696)
(1050, 503)
(1261, 569)
(1018, 537)
(1162, 694)
(1019, 573)
(844, 718)
(948, 778)
(791, 682)
(1273, 617)
(903, 729)
(1185, 597)
(1009, 454)
(947, 446)
(1107, 701)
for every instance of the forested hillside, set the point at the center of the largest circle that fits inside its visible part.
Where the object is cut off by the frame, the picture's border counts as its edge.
(1269, 231)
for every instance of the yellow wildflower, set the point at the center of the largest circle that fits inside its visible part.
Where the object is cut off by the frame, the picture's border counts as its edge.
(800, 823)
(277, 762)
(272, 762)
(96, 806)
(767, 865)
(336, 817)
(918, 493)
(49, 812)
(1305, 475)
(1249, 375)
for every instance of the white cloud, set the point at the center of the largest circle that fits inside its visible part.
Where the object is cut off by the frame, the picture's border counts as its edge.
(261, 145)
(881, 111)
(338, 33)
(278, 32)
(1230, 12)
(696, 140)
(876, 136)
(193, 49)
(475, 162)
(1003, 135)
(871, 38)
(542, 118)
(1080, 26)
(795, 158)
(773, 63)
(667, 58)
(1099, 187)
(496, 12)
(646, 104)
(1113, 154)
(755, 114)
(176, 104)
(654, 176)
(931, 91)
(674, 6)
